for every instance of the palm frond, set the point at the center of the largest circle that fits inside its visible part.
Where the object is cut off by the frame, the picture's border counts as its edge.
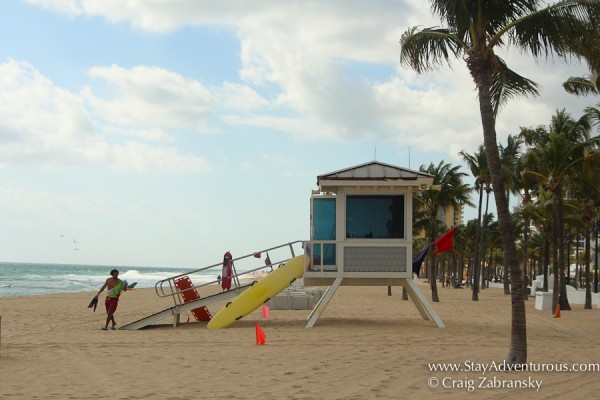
(429, 48)
(455, 13)
(557, 29)
(507, 84)
(581, 86)
(594, 115)
(459, 14)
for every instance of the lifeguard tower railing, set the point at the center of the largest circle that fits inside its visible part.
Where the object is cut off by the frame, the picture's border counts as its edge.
(246, 264)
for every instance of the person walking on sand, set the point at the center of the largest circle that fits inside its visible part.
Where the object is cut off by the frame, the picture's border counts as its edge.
(112, 298)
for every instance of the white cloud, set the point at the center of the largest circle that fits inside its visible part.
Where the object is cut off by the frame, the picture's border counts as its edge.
(304, 53)
(299, 47)
(240, 98)
(153, 97)
(141, 157)
(45, 125)
(37, 117)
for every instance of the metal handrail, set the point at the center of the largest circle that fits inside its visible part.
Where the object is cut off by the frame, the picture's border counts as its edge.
(166, 287)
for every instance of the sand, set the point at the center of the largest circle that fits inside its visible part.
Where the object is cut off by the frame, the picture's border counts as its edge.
(367, 345)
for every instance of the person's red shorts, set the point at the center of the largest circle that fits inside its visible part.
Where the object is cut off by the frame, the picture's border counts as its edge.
(111, 304)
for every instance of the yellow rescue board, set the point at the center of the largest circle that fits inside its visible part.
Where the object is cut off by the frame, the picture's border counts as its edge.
(260, 292)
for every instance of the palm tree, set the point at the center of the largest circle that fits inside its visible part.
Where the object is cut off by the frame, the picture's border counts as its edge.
(539, 213)
(486, 224)
(494, 244)
(450, 192)
(588, 192)
(587, 85)
(477, 163)
(463, 242)
(558, 155)
(511, 164)
(475, 29)
(536, 206)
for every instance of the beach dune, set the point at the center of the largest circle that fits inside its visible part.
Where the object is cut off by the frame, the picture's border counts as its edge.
(366, 345)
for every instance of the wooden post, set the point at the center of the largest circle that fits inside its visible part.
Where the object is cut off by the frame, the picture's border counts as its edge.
(404, 293)
(389, 290)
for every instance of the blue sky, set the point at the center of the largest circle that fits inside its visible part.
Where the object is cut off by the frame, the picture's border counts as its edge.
(165, 133)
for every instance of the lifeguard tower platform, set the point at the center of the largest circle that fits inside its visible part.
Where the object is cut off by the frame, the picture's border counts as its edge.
(361, 232)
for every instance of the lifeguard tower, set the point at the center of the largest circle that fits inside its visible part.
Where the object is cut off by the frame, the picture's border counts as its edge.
(361, 232)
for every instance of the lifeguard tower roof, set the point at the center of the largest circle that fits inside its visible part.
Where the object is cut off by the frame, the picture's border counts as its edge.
(369, 173)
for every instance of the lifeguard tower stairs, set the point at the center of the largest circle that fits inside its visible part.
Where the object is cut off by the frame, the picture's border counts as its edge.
(185, 294)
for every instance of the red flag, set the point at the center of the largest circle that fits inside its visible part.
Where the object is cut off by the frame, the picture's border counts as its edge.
(261, 338)
(444, 243)
(265, 311)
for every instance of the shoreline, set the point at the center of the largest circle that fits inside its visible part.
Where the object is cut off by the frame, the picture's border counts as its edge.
(365, 345)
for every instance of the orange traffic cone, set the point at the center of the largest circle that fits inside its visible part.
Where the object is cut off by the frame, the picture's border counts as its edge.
(557, 312)
(261, 338)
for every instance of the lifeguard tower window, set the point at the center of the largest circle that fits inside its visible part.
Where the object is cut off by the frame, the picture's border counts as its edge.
(375, 217)
(324, 215)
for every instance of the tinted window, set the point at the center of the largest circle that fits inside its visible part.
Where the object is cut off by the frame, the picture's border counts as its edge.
(375, 217)
(323, 219)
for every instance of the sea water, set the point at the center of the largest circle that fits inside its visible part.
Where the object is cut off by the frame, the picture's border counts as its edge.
(23, 279)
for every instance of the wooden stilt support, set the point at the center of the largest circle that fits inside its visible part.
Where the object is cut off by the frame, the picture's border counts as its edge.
(426, 310)
(316, 312)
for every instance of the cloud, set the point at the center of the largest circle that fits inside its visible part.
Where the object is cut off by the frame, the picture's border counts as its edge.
(141, 157)
(330, 69)
(241, 98)
(301, 50)
(37, 117)
(152, 97)
(44, 125)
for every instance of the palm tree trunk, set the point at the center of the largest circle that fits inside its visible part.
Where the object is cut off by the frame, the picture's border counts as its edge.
(461, 272)
(482, 238)
(588, 286)
(434, 292)
(546, 262)
(442, 270)
(555, 266)
(505, 279)
(517, 353)
(525, 258)
(491, 259)
(477, 256)
(454, 270)
(562, 300)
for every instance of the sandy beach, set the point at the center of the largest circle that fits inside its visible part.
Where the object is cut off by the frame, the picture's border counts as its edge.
(367, 345)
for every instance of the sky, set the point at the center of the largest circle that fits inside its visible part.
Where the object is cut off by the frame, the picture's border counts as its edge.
(164, 133)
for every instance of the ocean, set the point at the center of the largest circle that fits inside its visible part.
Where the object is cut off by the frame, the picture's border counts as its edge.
(23, 279)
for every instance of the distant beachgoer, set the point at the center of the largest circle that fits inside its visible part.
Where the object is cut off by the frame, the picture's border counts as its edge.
(219, 279)
(112, 298)
(227, 271)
